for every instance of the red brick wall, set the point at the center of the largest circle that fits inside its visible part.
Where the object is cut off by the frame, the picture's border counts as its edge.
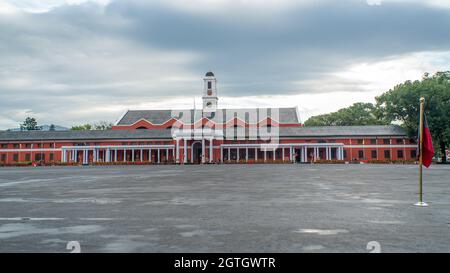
(352, 148)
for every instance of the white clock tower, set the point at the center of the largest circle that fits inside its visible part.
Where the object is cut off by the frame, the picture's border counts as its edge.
(210, 93)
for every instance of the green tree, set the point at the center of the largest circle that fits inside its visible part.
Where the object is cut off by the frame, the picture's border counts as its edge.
(84, 127)
(401, 104)
(358, 114)
(30, 124)
(101, 125)
(52, 127)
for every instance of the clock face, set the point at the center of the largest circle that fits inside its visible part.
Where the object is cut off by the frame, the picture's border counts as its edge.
(209, 92)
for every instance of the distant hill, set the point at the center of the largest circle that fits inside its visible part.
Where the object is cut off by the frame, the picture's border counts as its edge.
(45, 127)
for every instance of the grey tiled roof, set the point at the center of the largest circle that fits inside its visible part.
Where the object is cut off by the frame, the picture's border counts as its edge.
(84, 135)
(282, 115)
(154, 116)
(316, 131)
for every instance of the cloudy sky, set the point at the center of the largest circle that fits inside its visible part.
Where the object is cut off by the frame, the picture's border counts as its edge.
(75, 61)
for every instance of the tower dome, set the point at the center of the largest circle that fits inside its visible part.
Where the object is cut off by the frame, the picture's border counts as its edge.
(209, 74)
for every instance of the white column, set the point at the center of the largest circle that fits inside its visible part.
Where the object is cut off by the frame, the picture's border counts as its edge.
(211, 147)
(124, 155)
(282, 154)
(177, 151)
(203, 151)
(221, 154)
(315, 153)
(141, 155)
(159, 155)
(132, 155)
(115, 155)
(274, 154)
(149, 155)
(246, 154)
(185, 151)
(84, 156)
(256, 154)
(167, 154)
(229, 154)
(237, 154)
(265, 154)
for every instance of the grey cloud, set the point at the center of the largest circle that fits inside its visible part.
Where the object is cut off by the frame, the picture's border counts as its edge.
(301, 43)
(74, 59)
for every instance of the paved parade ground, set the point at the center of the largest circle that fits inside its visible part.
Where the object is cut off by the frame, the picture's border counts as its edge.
(224, 208)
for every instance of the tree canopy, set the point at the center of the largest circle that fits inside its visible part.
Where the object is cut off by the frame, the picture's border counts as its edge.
(357, 114)
(29, 124)
(84, 127)
(402, 104)
(102, 125)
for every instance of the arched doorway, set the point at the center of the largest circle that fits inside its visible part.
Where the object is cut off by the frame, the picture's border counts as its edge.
(298, 154)
(196, 156)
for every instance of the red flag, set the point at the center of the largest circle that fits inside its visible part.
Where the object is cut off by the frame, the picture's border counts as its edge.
(427, 144)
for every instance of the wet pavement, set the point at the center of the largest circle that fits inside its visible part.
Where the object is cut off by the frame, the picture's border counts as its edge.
(224, 208)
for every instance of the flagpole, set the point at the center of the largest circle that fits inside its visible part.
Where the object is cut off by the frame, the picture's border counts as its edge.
(421, 203)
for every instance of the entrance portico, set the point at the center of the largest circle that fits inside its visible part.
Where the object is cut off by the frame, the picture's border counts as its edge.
(201, 146)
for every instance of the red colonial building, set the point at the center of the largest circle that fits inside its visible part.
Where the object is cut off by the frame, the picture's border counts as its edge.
(209, 135)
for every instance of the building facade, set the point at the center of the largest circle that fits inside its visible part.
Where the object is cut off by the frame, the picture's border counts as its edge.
(209, 135)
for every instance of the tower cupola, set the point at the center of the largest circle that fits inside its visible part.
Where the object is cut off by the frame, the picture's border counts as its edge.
(210, 98)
